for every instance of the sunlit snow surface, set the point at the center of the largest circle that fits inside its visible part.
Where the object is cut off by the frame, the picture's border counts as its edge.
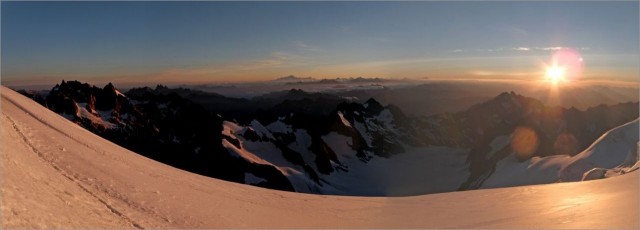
(55, 174)
(613, 153)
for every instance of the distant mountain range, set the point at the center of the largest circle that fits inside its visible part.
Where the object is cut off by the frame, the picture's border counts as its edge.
(437, 96)
(293, 80)
(329, 144)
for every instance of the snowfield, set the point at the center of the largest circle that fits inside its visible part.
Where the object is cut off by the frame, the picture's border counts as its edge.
(614, 153)
(55, 174)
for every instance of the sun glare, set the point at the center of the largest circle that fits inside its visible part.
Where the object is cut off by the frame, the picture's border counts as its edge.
(555, 74)
(565, 66)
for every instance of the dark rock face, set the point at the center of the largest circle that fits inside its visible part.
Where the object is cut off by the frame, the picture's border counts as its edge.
(324, 155)
(65, 98)
(166, 128)
(184, 128)
(251, 135)
(38, 96)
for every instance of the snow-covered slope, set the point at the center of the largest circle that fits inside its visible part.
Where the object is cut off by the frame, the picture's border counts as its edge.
(418, 170)
(55, 174)
(614, 153)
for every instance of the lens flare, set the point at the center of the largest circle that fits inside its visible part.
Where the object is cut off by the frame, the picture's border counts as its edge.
(566, 144)
(524, 142)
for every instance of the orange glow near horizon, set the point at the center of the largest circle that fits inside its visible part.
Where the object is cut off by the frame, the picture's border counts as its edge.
(563, 69)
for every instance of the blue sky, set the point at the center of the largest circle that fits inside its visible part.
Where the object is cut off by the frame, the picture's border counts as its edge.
(245, 41)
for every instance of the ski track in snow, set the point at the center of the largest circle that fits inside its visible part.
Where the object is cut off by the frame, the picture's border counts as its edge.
(69, 177)
(57, 175)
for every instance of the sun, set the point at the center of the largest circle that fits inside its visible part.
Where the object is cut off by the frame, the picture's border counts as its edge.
(555, 74)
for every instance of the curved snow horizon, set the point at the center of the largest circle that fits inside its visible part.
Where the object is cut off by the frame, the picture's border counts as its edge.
(55, 174)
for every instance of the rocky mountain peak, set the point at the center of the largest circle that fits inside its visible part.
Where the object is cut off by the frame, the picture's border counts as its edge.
(373, 106)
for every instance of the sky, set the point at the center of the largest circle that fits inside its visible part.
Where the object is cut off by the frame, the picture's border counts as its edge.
(217, 42)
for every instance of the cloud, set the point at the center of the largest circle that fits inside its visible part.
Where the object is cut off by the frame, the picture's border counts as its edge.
(501, 73)
(241, 70)
(273, 60)
(518, 49)
(554, 48)
(511, 31)
(298, 54)
(304, 46)
(515, 31)
(521, 49)
(550, 48)
(406, 63)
